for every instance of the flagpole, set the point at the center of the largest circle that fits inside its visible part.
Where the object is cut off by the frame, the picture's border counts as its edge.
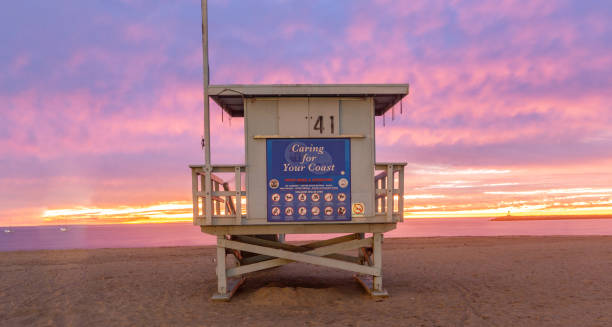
(206, 141)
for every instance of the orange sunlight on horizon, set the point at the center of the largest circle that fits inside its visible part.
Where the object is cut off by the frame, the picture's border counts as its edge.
(181, 211)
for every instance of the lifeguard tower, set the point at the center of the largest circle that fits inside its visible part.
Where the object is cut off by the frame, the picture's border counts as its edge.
(309, 169)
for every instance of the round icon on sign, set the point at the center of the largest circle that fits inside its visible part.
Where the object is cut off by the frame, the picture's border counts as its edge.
(315, 211)
(302, 197)
(288, 197)
(275, 197)
(274, 183)
(328, 197)
(343, 182)
(289, 211)
(341, 211)
(341, 197)
(315, 197)
(302, 211)
(275, 211)
(358, 208)
(329, 211)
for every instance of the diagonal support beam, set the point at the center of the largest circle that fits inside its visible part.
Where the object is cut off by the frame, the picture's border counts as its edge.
(314, 256)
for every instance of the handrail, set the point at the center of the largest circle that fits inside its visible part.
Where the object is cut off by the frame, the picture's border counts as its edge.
(206, 189)
(211, 193)
(385, 190)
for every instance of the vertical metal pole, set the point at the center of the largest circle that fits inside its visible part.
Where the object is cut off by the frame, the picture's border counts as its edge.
(206, 82)
(207, 167)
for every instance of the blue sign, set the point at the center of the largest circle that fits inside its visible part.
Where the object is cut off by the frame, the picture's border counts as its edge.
(308, 179)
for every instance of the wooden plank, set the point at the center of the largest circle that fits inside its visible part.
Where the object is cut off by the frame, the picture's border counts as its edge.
(224, 169)
(384, 192)
(194, 197)
(378, 218)
(367, 284)
(300, 257)
(221, 273)
(255, 259)
(229, 205)
(377, 249)
(291, 247)
(221, 193)
(334, 240)
(238, 188)
(268, 243)
(353, 136)
(207, 194)
(384, 164)
(344, 246)
(218, 202)
(298, 228)
(297, 248)
(215, 178)
(401, 194)
(327, 251)
(277, 90)
(233, 285)
(258, 266)
(390, 185)
(336, 256)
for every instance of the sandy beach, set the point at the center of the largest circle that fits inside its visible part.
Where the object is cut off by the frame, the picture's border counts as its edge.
(454, 281)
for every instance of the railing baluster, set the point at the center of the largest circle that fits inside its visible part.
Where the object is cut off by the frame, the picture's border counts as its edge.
(238, 189)
(194, 191)
(389, 192)
(207, 194)
(400, 197)
(217, 203)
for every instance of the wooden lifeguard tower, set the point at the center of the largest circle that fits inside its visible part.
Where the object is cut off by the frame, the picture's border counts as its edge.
(309, 169)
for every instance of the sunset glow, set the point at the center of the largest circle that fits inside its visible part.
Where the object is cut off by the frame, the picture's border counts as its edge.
(509, 107)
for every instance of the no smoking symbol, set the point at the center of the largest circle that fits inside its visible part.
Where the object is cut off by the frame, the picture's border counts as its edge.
(357, 208)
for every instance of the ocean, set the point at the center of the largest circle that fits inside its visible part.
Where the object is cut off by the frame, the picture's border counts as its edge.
(186, 234)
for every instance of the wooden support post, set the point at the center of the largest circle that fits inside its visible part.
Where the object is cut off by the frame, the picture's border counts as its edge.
(225, 288)
(194, 191)
(313, 257)
(360, 255)
(377, 249)
(238, 196)
(221, 277)
(373, 284)
(208, 194)
(400, 196)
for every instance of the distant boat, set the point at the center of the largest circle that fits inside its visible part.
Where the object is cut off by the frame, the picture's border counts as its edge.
(8, 231)
(63, 229)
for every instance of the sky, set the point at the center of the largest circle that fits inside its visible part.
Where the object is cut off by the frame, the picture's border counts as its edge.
(510, 105)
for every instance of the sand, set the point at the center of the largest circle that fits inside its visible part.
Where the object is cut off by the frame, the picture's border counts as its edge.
(460, 281)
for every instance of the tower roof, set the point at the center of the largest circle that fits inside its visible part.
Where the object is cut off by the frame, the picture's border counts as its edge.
(231, 97)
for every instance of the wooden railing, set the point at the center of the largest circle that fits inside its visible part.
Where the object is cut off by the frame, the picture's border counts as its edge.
(214, 198)
(221, 201)
(387, 204)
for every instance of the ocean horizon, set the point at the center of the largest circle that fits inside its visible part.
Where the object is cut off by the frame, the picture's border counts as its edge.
(186, 234)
